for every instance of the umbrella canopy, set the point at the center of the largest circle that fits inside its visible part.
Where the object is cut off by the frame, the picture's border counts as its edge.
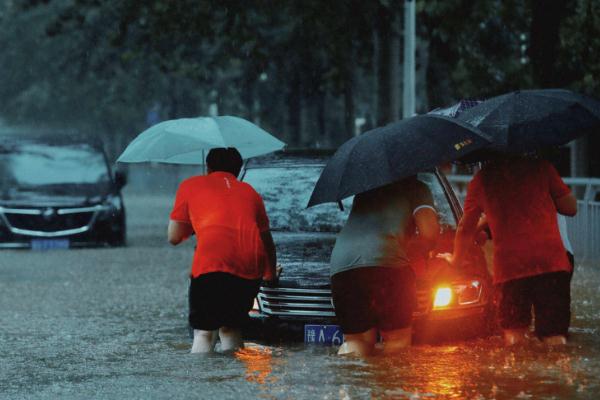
(528, 120)
(393, 152)
(456, 109)
(186, 140)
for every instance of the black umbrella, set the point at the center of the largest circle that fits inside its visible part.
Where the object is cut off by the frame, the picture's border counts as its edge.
(528, 120)
(393, 152)
(456, 109)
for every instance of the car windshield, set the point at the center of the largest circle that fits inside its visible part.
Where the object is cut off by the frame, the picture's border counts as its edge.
(76, 168)
(440, 201)
(286, 190)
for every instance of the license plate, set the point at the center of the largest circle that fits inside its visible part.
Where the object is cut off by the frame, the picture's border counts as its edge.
(49, 244)
(323, 334)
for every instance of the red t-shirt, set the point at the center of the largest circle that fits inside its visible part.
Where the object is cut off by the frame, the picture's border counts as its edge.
(227, 216)
(517, 197)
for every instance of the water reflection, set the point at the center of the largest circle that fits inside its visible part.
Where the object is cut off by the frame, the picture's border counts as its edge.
(483, 369)
(258, 361)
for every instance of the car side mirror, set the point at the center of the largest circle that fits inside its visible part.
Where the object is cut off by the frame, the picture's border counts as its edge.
(120, 179)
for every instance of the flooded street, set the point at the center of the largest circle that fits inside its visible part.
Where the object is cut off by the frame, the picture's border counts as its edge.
(112, 323)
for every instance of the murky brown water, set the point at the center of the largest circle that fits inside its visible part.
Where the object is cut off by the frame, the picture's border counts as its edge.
(111, 323)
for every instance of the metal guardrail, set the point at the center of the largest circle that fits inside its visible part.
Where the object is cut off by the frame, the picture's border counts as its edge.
(583, 229)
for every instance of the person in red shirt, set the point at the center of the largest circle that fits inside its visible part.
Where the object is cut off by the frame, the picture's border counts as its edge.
(520, 197)
(234, 248)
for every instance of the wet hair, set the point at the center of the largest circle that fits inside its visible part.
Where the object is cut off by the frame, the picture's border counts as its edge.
(225, 159)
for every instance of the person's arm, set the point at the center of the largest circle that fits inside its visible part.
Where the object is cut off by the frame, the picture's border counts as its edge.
(262, 221)
(566, 205)
(564, 200)
(465, 235)
(178, 231)
(426, 221)
(180, 227)
(267, 239)
(469, 223)
(483, 233)
(425, 218)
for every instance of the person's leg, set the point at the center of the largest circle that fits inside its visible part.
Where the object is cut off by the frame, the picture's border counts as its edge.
(515, 310)
(515, 336)
(237, 300)
(352, 302)
(204, 341)
(231, 339)
(359, 344)
(395, 303)
(552, 305)
(396, 340)
(555, 340)
(203, 312)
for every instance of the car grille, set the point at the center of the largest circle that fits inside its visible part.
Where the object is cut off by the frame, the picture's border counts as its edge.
(308, 302)
(53, 223)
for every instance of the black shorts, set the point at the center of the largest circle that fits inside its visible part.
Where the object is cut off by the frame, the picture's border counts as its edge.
(219, 299)
(374, 297)
(549, 295)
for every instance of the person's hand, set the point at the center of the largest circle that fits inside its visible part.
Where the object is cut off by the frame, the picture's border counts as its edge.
(481, 237)
(271, 280)
(448, 257)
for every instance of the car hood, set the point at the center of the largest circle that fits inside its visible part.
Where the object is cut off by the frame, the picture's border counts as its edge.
(37, 200)
(304, 257)
(305, 261)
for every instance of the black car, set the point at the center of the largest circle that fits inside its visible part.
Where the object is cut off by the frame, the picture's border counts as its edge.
(451, 304)
(58, 192)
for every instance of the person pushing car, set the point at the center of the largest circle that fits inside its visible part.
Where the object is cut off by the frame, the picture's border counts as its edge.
(234, 250)
(520, 197)
(373, 283)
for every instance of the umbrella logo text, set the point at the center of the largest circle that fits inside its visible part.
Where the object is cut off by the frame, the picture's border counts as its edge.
(464, 143)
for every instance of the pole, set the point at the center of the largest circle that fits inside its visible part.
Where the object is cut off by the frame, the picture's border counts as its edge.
(408, 104)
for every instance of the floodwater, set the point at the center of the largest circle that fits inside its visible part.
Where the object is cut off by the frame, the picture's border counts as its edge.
(111, 324)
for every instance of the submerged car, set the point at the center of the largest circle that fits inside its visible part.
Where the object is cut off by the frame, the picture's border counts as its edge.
(58, 193)
(452, 304)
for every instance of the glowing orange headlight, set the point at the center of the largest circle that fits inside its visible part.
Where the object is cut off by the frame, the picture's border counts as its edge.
(443, 297)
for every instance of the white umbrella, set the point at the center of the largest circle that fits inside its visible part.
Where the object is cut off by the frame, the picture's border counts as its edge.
(186, 140)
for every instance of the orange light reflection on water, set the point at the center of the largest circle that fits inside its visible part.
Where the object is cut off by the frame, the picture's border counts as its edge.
(441, 372)
(259, 364)
(484, 369)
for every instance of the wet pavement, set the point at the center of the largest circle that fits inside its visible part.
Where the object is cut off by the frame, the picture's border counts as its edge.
(111, 323)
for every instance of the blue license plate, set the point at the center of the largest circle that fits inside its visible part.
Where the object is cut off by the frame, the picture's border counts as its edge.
(323, 334)
(49, 244)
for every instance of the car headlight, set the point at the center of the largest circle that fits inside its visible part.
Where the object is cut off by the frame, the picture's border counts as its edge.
(443, 297)
(457, 294)
(113, 202)
(112, 205)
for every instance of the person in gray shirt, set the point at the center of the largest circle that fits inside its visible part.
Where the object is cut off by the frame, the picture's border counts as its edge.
(372, 282)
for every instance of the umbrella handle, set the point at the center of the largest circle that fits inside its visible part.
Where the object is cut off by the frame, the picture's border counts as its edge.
(340, 205)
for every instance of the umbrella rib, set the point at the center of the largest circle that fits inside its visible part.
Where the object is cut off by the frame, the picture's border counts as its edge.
(346, 161)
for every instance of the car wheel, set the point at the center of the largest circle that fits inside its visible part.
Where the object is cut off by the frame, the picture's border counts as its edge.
(118, 238)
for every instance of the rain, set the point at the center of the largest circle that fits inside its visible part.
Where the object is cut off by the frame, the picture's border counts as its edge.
(94, 299)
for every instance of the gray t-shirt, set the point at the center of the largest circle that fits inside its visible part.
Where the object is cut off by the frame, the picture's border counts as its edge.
(379, 226)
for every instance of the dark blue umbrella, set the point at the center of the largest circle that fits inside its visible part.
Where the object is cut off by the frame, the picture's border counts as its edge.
(393, 152)
(529, 120)
(456, 109)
